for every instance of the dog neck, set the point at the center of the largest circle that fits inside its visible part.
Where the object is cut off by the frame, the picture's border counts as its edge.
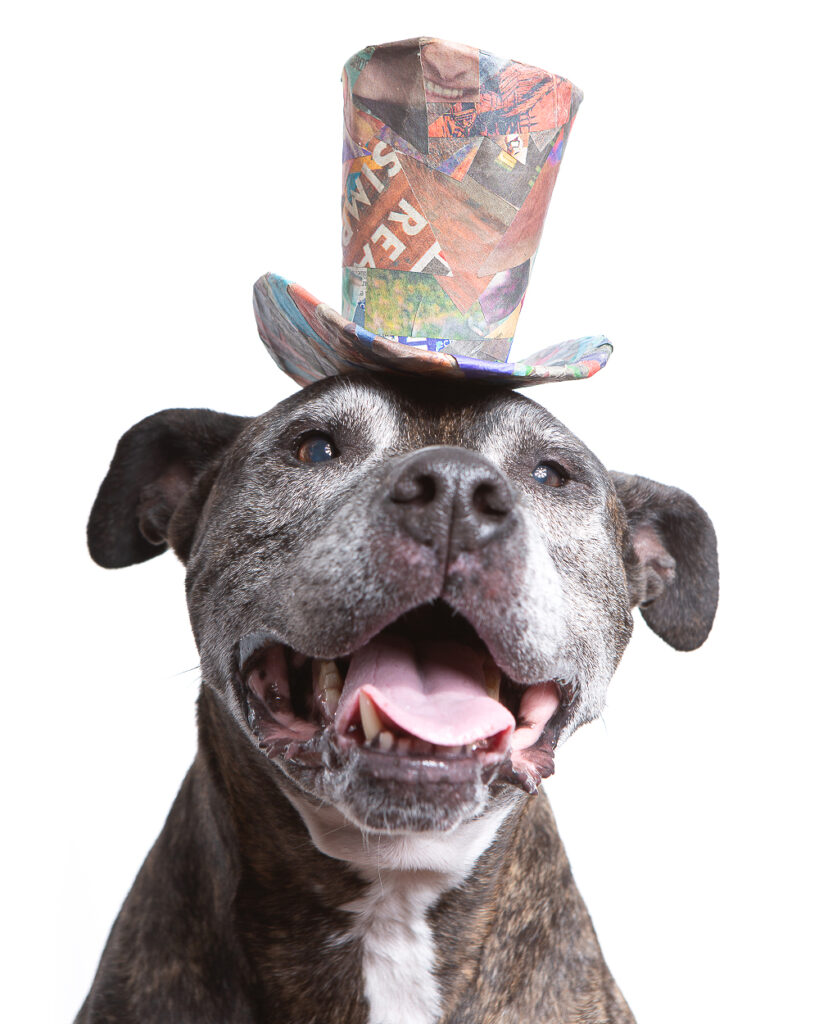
(406, 876)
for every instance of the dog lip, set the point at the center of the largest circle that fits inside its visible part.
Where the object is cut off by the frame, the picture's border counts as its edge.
(387, 764)
(253, 642)
(250, 645)
(413, 769)
(314, 738)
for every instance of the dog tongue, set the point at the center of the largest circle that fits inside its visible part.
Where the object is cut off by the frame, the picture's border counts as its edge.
(434, 691)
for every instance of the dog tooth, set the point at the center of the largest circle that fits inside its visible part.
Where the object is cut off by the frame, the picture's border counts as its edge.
(386, 739)
(329, 675)
(329, 684)
(492, 679)
(444, 750)
(370, 721)
(403, 745)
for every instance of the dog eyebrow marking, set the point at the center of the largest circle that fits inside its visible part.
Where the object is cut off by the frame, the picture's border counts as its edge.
(352, 403)
(511, 431)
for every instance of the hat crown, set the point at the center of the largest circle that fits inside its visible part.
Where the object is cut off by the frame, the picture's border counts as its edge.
(450, 158)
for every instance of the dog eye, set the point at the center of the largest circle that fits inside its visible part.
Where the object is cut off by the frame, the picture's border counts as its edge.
(316, 448)
(550, 474)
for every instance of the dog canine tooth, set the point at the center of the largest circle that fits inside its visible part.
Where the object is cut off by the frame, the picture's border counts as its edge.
(386, 739)
(492, 679)
(370, 722)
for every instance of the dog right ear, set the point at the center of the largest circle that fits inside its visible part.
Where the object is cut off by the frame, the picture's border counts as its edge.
(670, 559)
(159, 478)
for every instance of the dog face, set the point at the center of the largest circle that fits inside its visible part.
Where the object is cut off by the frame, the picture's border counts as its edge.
(405, 594)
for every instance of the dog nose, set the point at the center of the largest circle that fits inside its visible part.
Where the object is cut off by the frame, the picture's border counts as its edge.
(451, 493)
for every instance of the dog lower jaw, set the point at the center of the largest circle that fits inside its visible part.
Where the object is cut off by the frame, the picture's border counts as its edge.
(336, 834)
(384, 795)
(389, 807)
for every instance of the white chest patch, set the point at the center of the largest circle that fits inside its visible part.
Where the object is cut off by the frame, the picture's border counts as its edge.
(398, 950)
(406, 875)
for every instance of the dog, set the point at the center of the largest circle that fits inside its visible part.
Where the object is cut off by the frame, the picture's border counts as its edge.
(405, 595)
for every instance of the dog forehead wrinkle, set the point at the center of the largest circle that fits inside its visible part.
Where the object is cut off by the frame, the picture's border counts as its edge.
(456, 413)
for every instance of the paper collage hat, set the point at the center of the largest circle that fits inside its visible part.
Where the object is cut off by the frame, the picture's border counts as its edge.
(450, 158)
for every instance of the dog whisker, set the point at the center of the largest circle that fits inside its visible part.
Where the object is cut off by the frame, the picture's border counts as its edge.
(186, 671)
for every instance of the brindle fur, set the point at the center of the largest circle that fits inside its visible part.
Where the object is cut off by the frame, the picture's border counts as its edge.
(230, 916)
(224, 919)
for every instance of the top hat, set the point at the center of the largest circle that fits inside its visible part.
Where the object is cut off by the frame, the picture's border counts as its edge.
(450, 158)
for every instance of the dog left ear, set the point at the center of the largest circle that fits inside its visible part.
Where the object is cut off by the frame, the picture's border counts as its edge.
(159, 478)
(671, 560)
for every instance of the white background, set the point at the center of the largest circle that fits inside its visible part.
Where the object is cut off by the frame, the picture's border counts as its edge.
(159, 157)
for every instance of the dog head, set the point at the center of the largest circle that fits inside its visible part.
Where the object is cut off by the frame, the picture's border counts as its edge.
(405, 594)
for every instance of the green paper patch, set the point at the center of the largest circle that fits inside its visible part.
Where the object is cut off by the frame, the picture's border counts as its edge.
(409, 305)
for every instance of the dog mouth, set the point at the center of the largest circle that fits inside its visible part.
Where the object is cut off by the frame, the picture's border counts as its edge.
(422, 698)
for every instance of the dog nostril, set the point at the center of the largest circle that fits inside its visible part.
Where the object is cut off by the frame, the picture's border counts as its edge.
(415, 489)
(489, 502)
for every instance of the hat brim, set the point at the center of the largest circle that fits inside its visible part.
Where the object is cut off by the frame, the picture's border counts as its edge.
(309, 341)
